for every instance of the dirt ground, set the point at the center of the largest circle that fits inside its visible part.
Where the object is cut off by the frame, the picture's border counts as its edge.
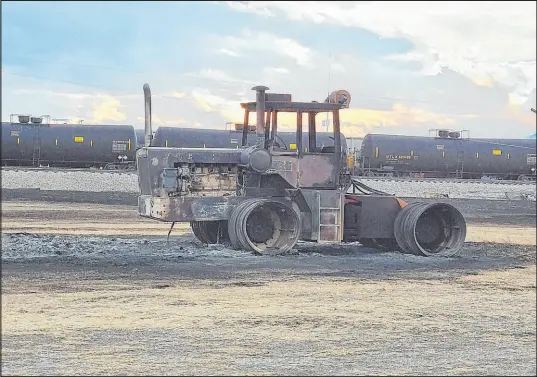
(93, 289)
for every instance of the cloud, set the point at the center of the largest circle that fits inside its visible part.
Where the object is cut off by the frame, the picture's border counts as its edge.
(360, 121)
(277, 70)
(173, 94)
(449, 75)
(251, 42)
(216, 75)
(208, 102)
(225, 51)
(157, 121)
(106, 108)
(367, 120)
(91, 108)
(481, 40)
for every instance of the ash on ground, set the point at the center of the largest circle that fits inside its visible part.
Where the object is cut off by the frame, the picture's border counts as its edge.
(185, 255)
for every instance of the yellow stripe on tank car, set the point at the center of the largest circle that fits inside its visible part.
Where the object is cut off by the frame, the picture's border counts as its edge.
(129, 144)
(443, 154)
(476, 154)
(411, 153)
(18, 140)
(376, 152)
(91, 143)
(508, 156)
(56, 141)
(166, 143)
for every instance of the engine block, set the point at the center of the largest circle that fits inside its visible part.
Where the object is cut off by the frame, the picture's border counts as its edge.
(189, 179)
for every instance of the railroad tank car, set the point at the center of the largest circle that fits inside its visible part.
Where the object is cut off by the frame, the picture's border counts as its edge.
(140, 138)
(447, 157)
(86, 146)
(70, 145)
(17, 144)
(354, 145)
(211, 138)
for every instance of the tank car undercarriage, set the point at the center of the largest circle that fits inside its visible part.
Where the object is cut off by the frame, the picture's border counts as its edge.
(264, 200)
(380, 173)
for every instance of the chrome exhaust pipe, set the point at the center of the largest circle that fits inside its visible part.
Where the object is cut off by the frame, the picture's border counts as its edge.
(147, 104)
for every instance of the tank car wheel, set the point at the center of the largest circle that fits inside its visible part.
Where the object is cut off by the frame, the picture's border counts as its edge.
(264, 226)
(430, 229)
(523, 178)
(128, 166)
(110, 167)
(210, 232)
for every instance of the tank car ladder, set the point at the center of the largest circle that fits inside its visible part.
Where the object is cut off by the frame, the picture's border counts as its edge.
(36, 148)
(459, 172)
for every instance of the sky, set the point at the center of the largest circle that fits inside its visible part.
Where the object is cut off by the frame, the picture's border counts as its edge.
(409, 66)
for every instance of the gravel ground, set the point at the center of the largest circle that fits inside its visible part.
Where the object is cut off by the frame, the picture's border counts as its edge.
(128, 182)
(77, 305)
(457, 190)
(70, 181)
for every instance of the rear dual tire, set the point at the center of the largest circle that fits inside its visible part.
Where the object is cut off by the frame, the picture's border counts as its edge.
(429, 229)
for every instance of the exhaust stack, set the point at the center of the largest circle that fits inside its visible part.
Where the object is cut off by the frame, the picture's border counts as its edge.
(147, 105)
(260, 113)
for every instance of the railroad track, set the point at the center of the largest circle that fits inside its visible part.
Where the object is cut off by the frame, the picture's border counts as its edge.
(364, 179)
(66, 170)
(446, 180)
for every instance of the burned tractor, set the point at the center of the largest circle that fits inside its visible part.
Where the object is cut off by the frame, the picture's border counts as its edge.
(265, 199)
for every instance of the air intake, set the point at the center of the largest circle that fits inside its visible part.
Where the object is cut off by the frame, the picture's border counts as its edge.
(443, 133)
(36, 120)
(24, 119)
(239, 127)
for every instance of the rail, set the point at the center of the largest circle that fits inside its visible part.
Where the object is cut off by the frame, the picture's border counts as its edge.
(354, 179)
(68, 170)
(447, 180)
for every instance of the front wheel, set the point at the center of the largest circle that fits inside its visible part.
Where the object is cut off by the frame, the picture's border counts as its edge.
(264, 226)
(210, 232)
